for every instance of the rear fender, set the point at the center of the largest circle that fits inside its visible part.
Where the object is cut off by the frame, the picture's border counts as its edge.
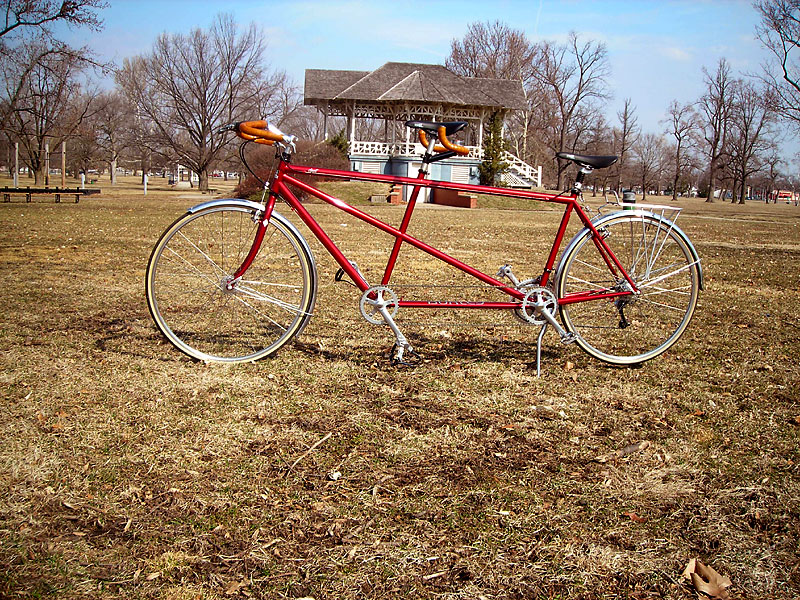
(601, 220)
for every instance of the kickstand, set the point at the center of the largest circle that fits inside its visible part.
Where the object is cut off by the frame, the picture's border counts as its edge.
(539, 351)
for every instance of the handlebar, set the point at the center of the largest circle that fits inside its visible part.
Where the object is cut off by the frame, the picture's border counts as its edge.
(446, 144)
(260, 132)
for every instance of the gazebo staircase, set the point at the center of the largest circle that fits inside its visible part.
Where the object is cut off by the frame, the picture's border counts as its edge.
(520, 174)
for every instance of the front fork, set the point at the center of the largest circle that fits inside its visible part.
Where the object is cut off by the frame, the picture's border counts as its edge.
(262, 218)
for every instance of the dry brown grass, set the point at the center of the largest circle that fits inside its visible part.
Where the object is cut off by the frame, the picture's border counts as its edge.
(129, 471)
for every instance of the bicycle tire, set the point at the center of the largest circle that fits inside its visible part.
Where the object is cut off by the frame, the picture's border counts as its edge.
(194, 260)
(664, 265)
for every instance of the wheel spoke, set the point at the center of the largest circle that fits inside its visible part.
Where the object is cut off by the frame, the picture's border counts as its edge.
(211, 317)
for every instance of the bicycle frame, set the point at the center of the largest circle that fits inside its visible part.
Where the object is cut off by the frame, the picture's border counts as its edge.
(285, 177)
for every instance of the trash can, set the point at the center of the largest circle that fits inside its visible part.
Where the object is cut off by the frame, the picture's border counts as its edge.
(628, 198)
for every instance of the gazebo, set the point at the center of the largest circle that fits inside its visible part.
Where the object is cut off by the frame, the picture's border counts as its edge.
(397, 92)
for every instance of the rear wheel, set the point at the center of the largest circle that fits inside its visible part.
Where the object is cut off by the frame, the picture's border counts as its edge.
(203, 311)
(634, 328)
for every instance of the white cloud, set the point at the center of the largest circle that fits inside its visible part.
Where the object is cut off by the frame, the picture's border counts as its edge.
(675, 53)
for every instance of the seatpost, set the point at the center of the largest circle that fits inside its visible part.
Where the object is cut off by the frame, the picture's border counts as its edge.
(576, 188)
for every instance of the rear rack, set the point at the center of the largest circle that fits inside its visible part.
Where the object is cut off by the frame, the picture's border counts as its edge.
(670, 213)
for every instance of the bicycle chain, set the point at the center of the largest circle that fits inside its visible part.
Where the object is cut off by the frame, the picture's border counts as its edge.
(517, 324)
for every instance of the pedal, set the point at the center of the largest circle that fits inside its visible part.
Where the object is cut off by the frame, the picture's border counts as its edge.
(403, 355)
(569, 338)
(339, 277)
(505, 271)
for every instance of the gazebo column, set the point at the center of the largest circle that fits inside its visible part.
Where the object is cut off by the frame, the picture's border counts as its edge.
(480, 129)
(325, 123)
(352, 125)
(406, 112)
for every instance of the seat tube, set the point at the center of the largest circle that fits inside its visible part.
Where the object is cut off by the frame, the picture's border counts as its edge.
(403, 227)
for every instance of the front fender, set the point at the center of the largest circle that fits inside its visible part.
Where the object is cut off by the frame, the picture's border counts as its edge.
(227, 202)
(249, 204)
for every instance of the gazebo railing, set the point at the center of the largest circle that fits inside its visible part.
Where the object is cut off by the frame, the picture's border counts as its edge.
(520, 174)
(359, 148)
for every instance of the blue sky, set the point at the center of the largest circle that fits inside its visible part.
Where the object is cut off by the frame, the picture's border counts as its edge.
(656, 49)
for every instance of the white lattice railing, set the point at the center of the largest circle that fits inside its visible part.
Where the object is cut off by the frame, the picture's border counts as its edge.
(385, 149)
(520, 173)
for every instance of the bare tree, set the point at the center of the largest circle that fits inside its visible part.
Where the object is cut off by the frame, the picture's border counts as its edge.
(751, 117)
(21, 15)
(190, 85)
(625, 137)
(772, 164)
(574, 76)
(112, 128)
(649, 159)
(779, 32)
(493, 50)
(26, 42)
(50, 104)
(715, 114)
(681, 124)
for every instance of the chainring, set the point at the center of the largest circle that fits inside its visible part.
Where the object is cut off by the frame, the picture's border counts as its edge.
(373, 299)
(537, 297)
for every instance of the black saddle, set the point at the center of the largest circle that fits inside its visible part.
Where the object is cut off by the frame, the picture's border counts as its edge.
(432, 127)
(584, 160)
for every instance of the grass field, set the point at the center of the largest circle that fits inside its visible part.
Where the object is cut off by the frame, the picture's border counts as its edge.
(129, 471)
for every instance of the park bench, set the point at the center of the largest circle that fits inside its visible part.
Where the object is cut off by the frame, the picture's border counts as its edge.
(29, 192)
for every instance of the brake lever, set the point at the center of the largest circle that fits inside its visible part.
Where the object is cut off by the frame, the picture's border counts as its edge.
(230, 127)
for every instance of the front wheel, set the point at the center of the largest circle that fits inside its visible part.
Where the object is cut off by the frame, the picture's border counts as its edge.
(200, 308)
(630, 329)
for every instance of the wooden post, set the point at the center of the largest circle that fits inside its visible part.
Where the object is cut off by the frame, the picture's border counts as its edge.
(47, 164)
(64, 164)
(353, 128)
(144, 180)
(16, 164)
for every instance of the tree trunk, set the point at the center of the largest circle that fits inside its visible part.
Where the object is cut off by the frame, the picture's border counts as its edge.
(202, 177)
(114, 171)
(675, 189)
(711, 189)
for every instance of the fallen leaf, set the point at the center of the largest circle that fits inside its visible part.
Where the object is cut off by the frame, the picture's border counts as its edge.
(634, 517)
(233, 587)
(707, 580)
(630, 449)
(152, 576)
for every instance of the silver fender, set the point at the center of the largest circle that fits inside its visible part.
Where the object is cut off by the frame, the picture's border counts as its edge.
(256, 206)
(600, 220)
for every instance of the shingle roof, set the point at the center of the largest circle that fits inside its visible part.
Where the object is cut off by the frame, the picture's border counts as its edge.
(412, 82)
